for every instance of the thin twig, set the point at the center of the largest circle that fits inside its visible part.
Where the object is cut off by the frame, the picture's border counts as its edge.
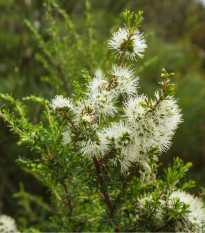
(106, 196)
(129, 177)
(68, 196)
(101, 180)
(106, 155)
(186, 226)
(162, 226)
(161, 97)
(66, 116)
(121, 58)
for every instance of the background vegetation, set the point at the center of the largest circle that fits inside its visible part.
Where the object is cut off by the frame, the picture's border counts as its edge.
(175, 36)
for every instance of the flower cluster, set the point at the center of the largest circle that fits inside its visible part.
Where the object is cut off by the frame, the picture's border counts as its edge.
(7, 224)
(61, 103)
(144, 124)
(134, 42)
(194, 218)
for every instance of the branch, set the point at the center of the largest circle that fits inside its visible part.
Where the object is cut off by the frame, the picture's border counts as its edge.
(161, 97)
(68, 196)
(186, 226)
(162, 226)
(128, 179)
(67, 117)
(101, 180)
(72, 124)
(121, 58)
(106, 155)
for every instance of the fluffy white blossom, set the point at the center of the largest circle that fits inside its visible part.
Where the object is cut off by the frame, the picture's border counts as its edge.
(159, 211)
(87, 118)
(168, 112)
(196, 207)
(154, 128)
(61, 103)
(167, 117)
(136, 44)
(202, 2)
(119, 134)
(98, 72)
(125, 80)
(7, 224)
(145, 124)
(103, 102)
(122, 137)
(125, 165)
(195, 218)
(136, 113)
(82, 111)
(145, 171)
(66, 137)
(98, 83)
(94, 147)
(135, 109)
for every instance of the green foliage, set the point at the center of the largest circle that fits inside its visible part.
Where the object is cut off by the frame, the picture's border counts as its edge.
(175, 173)
(130, 17)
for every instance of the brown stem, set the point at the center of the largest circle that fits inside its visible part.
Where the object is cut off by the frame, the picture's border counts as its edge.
(162, 226)
(106, 197)
(161, 97)
(117, 229)
(106, 155)
(135, 229)
(66, 116)
(154, 178)
(101, 180)
(129, 177)
(121, 59)
(186, 226)
(68, 196)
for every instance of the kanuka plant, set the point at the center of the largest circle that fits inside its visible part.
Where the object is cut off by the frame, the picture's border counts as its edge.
(98, 151)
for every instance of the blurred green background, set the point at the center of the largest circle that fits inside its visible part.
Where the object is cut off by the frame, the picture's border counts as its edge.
(175, 34)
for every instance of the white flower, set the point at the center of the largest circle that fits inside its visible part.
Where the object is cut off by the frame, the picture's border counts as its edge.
(87, 118)
(154, 128)
(97, 84)
(102, 102)
(98, 72)
(202, 2)
(167, 117)
(97, 147)
(197, 210)
(135, 109)
(121, 137)
(125, 81)
(7, 224)
(119, 134)
(37, 24)
(136, 44)
(90, 148)
(80, 111)
(159, 211)
(125, 165)
(145, 171)
(167, 112)
(61, 103)
(66, 137)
